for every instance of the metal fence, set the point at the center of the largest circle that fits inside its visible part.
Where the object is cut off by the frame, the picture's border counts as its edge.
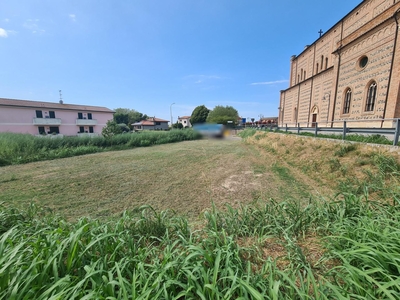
(345, 128)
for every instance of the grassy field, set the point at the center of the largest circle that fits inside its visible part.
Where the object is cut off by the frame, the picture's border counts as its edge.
(268, 217)
(185, 177)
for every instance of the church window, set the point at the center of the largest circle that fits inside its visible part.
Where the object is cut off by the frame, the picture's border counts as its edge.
(322, 62)
(347, 101)
(304, 75)
(301, 74)
(371, 97)
(362, 62)
(317, 67)
(326, 63)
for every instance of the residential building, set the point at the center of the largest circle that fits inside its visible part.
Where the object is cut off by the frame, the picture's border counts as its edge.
(269, 121)
(36, 117)
(350, 73)
(151, 124)
(185, 121)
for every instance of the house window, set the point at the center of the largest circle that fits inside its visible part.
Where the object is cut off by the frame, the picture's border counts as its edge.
(158, 123)
(91, 129)
(371, 97)
(184, 121)
(80, 116)
(41, 130)
(54, 130)
(347, 101)
(81, 129)
(39, 114)
(52, 114)
(89, 116)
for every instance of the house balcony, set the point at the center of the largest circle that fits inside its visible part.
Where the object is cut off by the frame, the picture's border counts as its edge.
(46, 121)
(86, 122)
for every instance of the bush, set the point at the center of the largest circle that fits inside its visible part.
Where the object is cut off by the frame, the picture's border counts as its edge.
(24, 148)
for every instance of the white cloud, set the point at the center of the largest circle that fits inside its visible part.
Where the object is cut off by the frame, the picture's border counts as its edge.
(32, 25)
(72, 17)
(3, 33)
(270, 82)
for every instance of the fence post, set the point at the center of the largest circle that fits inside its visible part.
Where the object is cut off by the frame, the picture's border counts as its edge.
(316, 129)
(286, 127)
(298, 128)
(344, 130)
(396, 133)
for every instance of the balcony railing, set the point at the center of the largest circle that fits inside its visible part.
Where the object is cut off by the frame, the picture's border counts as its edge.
(87, 122)
(46, 121)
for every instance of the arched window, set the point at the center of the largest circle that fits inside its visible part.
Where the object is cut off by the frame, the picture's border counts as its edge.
(322, 62)
(301, 74)
(371, 97)
(298, 78)
(304, 75)
(347, 101)
(326, 63)
(317, 67)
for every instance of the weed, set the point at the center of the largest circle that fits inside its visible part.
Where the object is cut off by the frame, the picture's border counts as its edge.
(344, 149)
(334, 164)
(24, 148)
(150, 254)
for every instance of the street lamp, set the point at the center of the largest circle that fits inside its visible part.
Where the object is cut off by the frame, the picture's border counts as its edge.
(170, 110)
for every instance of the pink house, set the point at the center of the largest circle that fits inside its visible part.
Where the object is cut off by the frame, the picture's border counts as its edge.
(34, 117)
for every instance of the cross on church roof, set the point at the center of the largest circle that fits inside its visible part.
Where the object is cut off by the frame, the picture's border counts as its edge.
(320, 32)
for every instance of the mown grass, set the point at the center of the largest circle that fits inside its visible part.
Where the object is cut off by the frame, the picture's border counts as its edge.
(328, 249)
(24, 148)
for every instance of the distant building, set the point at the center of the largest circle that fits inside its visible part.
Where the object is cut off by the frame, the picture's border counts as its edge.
(151, 124)
(34, 117)
(268, 121)
(185, 121)
(350, 73)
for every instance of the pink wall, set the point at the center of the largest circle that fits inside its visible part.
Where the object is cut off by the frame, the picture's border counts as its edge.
(21, 120)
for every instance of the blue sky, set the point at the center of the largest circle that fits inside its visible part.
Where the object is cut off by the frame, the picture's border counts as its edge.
(146, 54)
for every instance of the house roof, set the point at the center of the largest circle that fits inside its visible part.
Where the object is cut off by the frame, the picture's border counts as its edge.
(51, 105)
(150, 122)
(184, 117)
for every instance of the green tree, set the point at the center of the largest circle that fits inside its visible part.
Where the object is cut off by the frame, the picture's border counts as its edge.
(199, 114)
(223, 114)
(111, 129)
(128, 116)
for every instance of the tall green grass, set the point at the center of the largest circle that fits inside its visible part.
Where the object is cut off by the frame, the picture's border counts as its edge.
(146, 254)
(24, 148)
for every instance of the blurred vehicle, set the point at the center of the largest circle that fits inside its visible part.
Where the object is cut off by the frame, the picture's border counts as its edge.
(210, 130)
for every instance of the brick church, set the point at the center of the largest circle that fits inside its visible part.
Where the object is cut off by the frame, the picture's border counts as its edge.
(351, 73)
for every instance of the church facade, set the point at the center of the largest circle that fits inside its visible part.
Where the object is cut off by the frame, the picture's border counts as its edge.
(351, 73)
